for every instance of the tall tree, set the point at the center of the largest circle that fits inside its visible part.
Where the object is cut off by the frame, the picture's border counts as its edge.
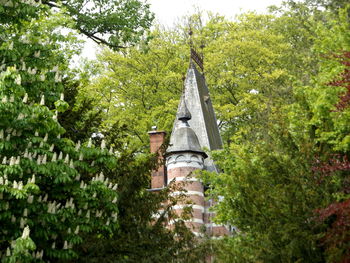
(269, 184)
(51, 189)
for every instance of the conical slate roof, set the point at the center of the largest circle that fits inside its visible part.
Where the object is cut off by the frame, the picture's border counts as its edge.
(184, 139)
(203, 121)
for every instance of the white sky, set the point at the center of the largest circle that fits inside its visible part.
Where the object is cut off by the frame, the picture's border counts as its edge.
(167, 12)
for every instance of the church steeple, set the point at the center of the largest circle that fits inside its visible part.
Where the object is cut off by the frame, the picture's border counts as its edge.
(203, 122)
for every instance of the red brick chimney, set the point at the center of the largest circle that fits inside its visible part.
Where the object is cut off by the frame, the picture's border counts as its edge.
(159, 179)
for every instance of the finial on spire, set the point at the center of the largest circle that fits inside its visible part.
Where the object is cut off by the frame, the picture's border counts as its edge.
(183, 113)
(190, 42)
(194, 56)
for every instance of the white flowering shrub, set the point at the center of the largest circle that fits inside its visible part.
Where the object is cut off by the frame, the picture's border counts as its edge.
(52, 190)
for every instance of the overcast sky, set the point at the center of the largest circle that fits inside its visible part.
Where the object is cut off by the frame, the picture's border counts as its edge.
(167, 12)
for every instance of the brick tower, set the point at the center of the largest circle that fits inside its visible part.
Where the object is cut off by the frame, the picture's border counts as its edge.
(195, 129)
(183, 157)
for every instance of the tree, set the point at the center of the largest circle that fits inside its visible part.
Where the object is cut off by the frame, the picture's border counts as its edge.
(115, 23)
(270, 188)
(50, 187)
(137, 89)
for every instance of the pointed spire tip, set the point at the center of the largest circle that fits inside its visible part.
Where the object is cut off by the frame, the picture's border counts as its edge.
(183, 113)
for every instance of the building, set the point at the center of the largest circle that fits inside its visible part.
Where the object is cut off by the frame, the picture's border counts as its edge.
(195, 130)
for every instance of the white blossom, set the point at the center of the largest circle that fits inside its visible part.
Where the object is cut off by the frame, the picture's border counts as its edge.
(44, 159)
(22, 222)
(26, 232)
(20, 116)
(42, 101)
(103, 144)
(102, 177)
(38, 161)
(30, 199)
(4, 99)
(23, 66)
(18, 80)
(58, 77)
(25, 98)
(54, 157)
(33, 179)
(12, 161)
(37, 54)
(77, 146)
(111, 150)
(33, 71)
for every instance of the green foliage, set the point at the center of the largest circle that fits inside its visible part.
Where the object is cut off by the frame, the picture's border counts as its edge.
(114, 23)
(137, 89)
(270, 189)
(49, 184)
